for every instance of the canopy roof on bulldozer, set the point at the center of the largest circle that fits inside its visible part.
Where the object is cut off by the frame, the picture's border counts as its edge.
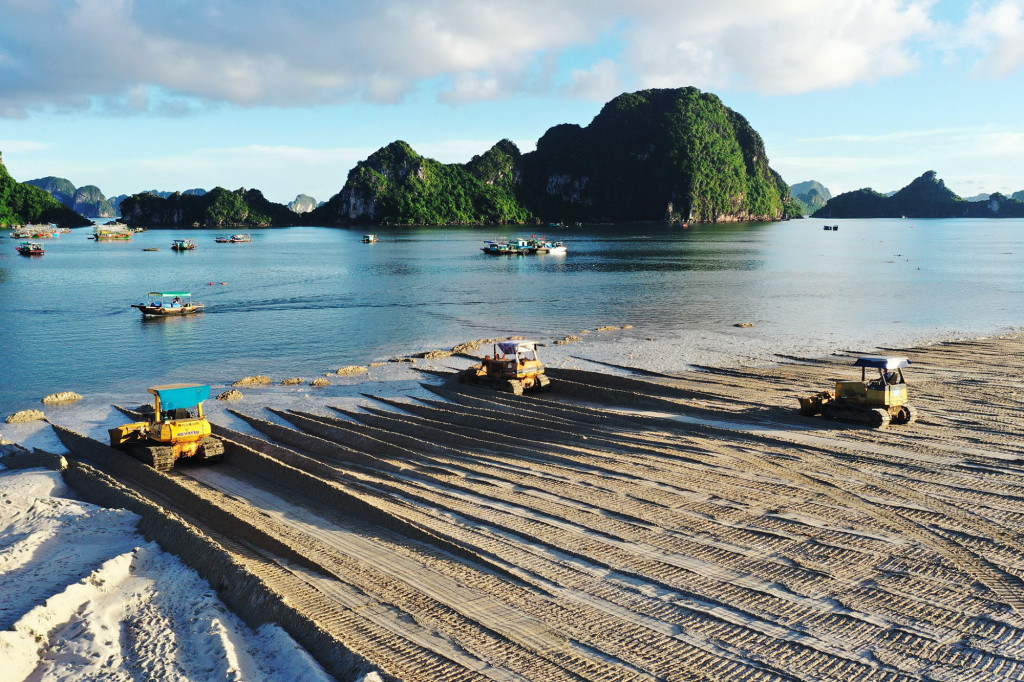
(881, 362)
(175, 396)
(512, 347)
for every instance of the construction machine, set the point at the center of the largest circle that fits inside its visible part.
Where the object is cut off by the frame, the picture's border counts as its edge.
(876, 401)
(176, 429)
(514, 367)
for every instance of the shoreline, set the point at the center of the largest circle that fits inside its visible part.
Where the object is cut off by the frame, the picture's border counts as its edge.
(616, 350)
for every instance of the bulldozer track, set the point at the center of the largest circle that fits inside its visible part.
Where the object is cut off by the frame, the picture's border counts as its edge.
(635, 528)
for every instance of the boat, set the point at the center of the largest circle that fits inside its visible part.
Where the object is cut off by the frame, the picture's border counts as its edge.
(152, 248)
(555, 248)
(183, 245)
(112, 232)
(169, 303)
(234, 239)
(517, 247)
(831, 227)
(369, 238)
(30, 249)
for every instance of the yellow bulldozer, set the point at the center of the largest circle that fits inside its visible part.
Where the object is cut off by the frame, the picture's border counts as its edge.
(876, 401)
(514, 367)
(177, 429)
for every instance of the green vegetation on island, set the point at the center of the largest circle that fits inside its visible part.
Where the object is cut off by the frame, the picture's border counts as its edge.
(217, 208)
(22, 203)
(925, 197)
(811, 193)
(672, 155)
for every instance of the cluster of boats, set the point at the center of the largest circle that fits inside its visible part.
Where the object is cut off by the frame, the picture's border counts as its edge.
(49, 231)
(523, 247)
(234, 239)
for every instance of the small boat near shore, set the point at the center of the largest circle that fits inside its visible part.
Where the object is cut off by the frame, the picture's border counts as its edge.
(169, 304)
(183, 245)
(30, 249)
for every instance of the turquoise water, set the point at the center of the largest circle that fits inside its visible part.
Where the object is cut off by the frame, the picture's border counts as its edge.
(301, 298)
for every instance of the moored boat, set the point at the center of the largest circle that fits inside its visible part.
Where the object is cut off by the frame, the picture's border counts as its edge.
(30, 249)
(516, 247)
(169, 303)
(369, 238)
(240, 238)
(183, 244)
(223, 240)
(112, 232)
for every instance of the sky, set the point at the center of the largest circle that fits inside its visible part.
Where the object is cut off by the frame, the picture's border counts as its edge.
(286, 96)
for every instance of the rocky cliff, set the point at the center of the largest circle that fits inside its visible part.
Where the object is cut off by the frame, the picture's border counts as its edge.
(652, 155)
(217, 208)
(925, 197)
(303, 203)
(21, 203)
(89, 200)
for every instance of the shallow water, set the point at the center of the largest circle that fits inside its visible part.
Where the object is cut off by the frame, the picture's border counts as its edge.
(302, 300)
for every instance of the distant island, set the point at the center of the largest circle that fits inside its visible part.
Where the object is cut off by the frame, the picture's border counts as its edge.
(217, 208)
(925, 197)
(811, 194)
(22, 203)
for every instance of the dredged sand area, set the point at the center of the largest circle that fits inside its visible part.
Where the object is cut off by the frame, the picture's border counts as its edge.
(627, 525)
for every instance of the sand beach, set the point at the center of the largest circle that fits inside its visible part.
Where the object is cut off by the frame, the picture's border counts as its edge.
(635, 523)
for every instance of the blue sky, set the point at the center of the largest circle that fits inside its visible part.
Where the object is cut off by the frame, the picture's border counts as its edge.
(286, 96)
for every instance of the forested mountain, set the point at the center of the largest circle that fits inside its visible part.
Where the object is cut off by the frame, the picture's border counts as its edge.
(670, 155)
(22, 203)
(214, 209)
(925, 197)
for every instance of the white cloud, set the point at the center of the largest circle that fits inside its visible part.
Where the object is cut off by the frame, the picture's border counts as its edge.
(998, 31)
(113, 54)
(23, 146)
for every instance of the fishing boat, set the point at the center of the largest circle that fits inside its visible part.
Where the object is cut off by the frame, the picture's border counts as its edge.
(30, 249)
(183, 245)
(369, 238)
(112, 232)
(554, 248)
(169, 303)
(223, 240)
(517, 247)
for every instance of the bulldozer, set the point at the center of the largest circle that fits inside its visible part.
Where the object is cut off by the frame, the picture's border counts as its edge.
(514, 367)
(876, 401)
(176, 429)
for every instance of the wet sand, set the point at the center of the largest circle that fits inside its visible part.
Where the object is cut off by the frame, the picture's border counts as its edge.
(636, 525)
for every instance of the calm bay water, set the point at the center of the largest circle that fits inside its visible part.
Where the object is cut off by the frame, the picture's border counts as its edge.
(302, 298)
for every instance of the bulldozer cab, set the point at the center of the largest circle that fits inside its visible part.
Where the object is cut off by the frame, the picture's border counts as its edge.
(885, 386)
(179, 401)
(515, 359)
